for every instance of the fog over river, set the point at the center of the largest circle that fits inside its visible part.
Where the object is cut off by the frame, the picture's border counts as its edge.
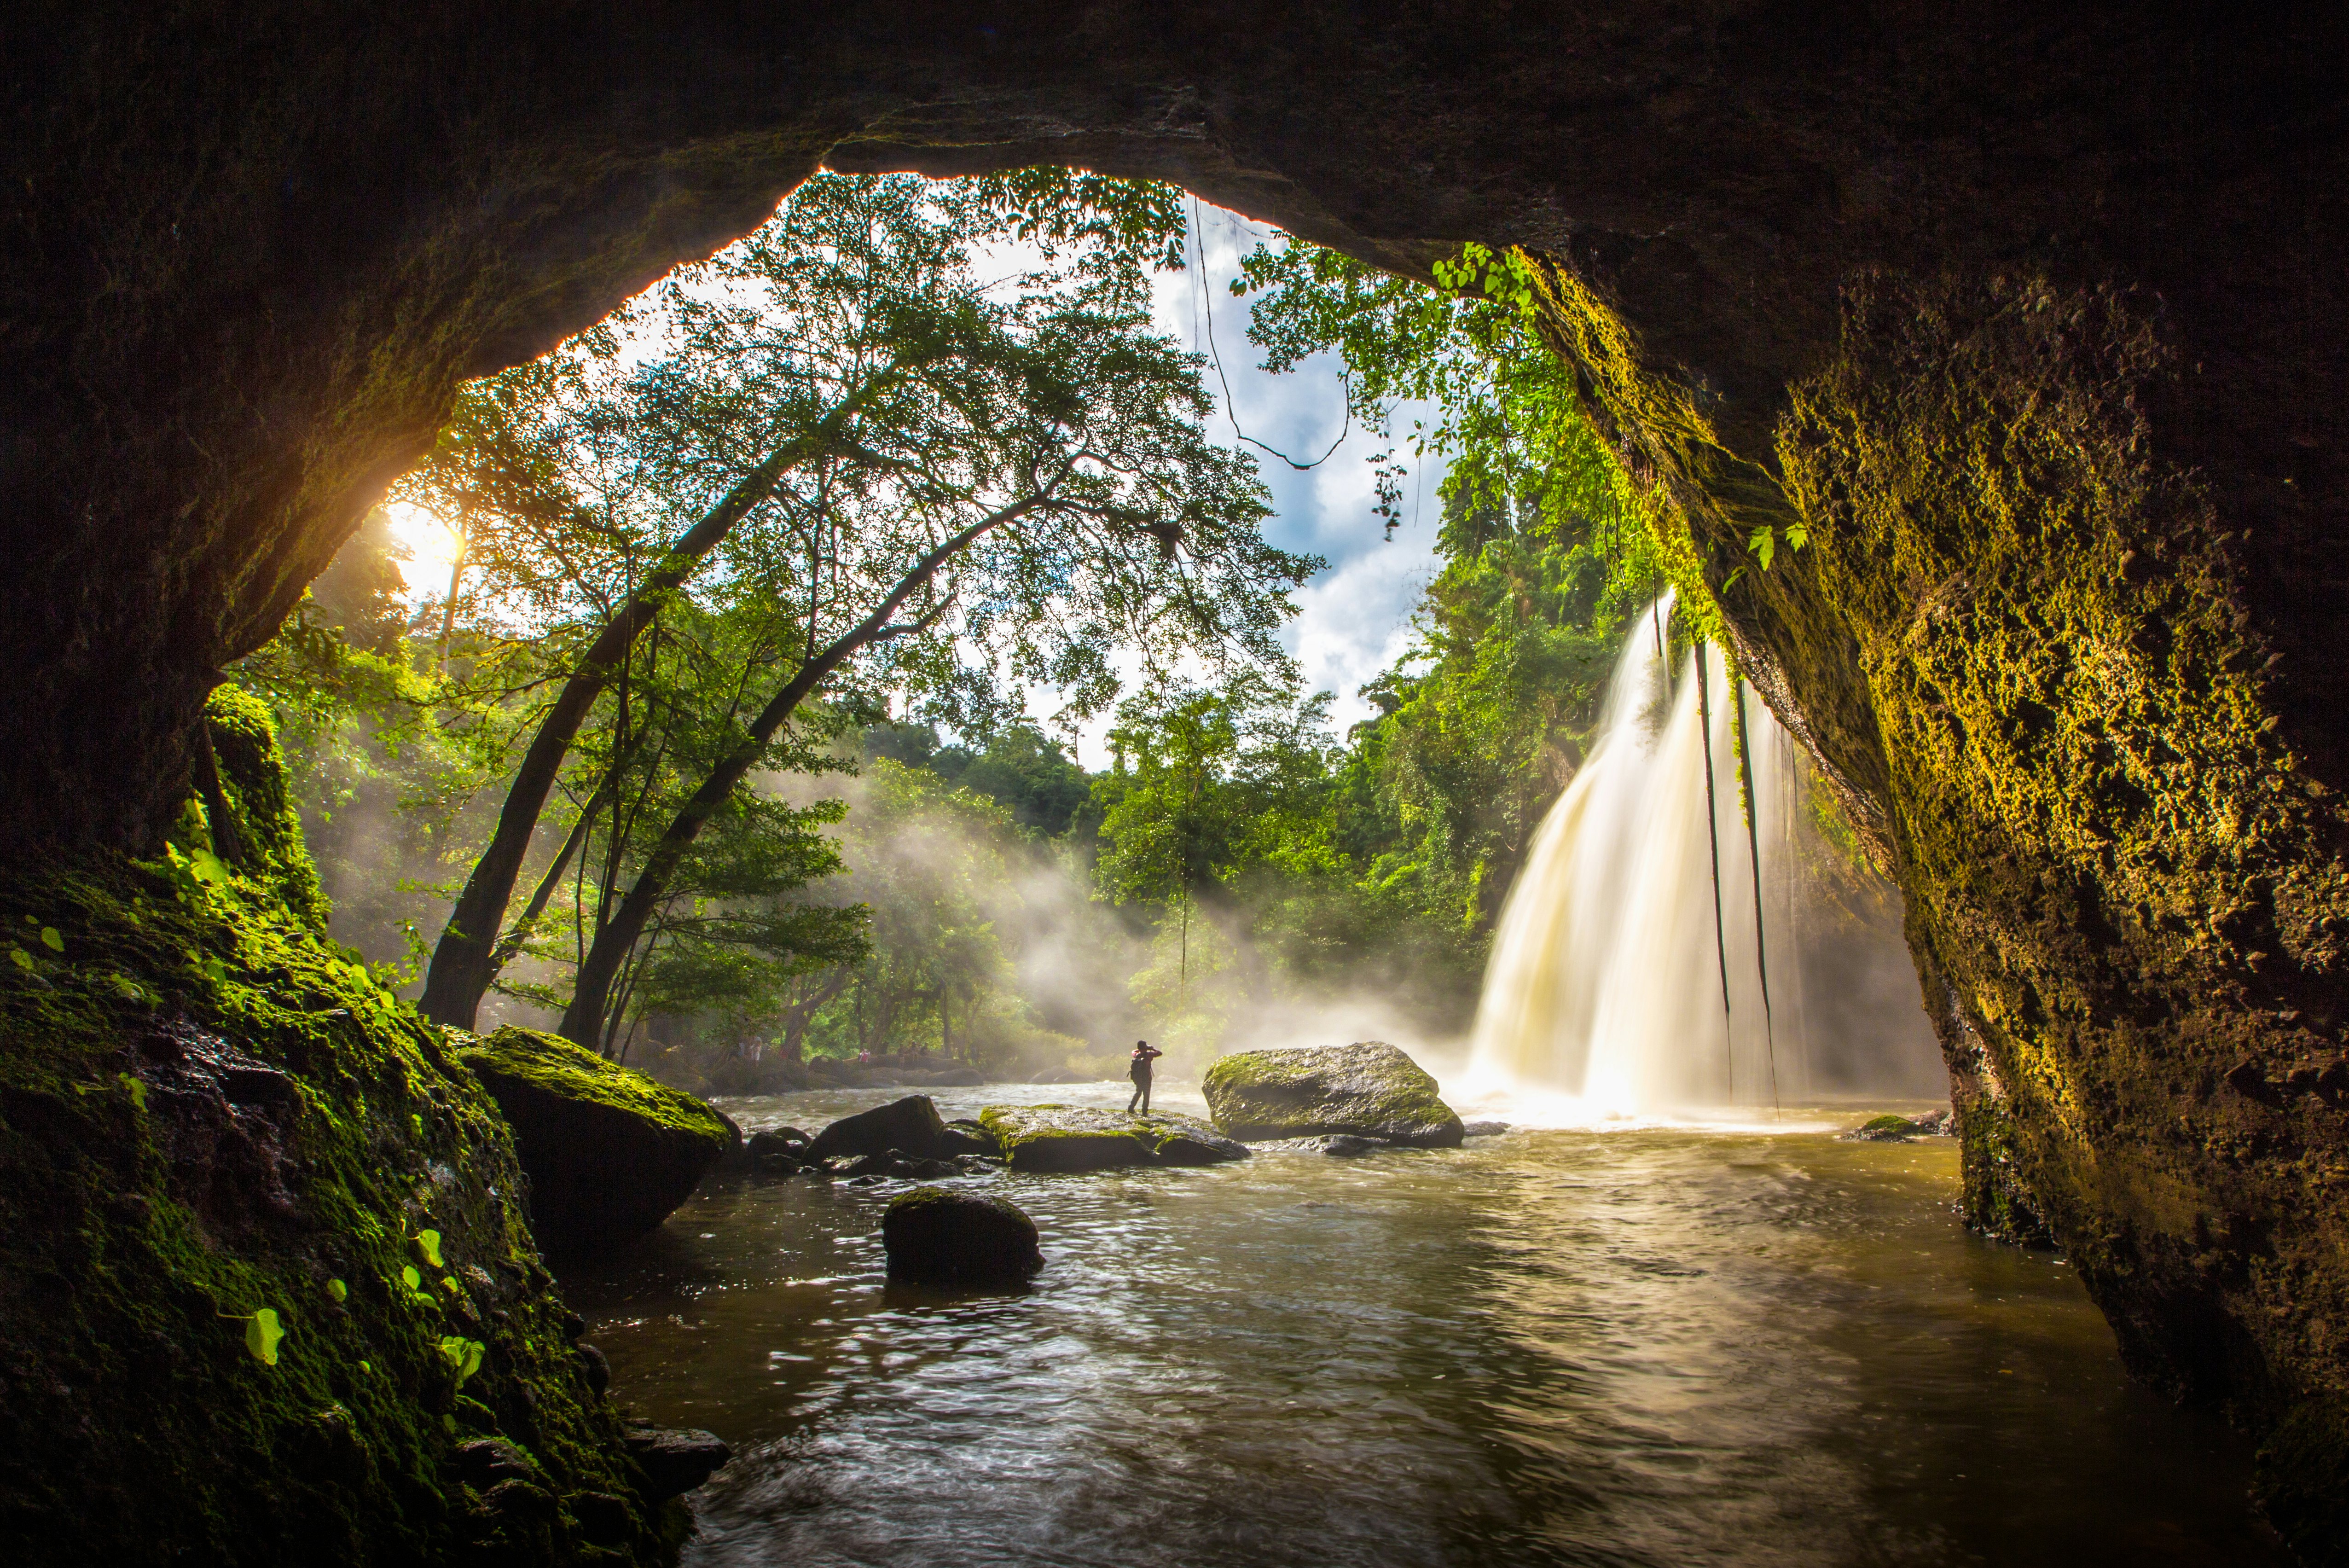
(1661, 1346)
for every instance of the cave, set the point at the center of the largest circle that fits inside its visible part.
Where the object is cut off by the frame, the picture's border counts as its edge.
(2029, 318)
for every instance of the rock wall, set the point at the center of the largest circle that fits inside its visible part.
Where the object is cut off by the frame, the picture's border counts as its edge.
(2032, 315)
(268, 1293)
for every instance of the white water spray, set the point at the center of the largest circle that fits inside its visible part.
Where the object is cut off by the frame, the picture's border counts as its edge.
(1605, 983)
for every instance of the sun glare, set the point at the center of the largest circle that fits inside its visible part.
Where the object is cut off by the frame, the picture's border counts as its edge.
(431, 547)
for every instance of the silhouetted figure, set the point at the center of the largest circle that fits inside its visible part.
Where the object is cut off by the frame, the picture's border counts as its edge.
(1139, 1070)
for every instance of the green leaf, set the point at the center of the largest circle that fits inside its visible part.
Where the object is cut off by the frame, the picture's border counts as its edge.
(338, 1291)
(138, 1088)
(464, 1354)
(1764, 545)
(410, 1278)
(261, 1333)
(429, 1243)
(24, 960)
(51, 940)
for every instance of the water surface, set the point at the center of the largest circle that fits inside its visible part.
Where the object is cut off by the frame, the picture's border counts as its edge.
(1658, 1347)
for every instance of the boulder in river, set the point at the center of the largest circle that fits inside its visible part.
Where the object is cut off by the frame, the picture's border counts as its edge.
(1048, 1138)
(608, 1152)
(910, 1126)
(934, 1235)
(675, 1459)
(1370, 1089)
(1346, 1145)
(775, 1151)
(1900, 1130)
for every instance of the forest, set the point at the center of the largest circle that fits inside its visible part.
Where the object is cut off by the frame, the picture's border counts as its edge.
(737, 737)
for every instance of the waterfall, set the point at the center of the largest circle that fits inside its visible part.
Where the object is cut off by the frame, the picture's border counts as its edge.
(1604, 983)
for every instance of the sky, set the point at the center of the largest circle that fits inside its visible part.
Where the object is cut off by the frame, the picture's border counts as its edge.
(1354, 617)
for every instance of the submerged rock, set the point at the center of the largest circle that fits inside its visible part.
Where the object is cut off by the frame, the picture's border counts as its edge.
(1483, 1129)
(1346, 1145)
(609, 1152)
(676, 1460)
(910, 1127)
(1060, 1138)
(1369, 1089)
(933, 1235)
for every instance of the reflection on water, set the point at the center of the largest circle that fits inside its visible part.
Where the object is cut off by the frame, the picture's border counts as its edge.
(1653, 1347)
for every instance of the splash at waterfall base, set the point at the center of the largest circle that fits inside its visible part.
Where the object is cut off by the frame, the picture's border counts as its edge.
(1628, 980)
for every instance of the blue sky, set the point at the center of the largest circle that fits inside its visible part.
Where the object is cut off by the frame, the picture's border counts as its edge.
(1354, 618)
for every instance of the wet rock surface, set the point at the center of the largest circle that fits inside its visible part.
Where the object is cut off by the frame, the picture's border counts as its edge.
(675, 1459)
(938, 1235)
(1901, 1129)
(1370, 1090)
(909, 1128)
(609, 1152)
(1063, 1139)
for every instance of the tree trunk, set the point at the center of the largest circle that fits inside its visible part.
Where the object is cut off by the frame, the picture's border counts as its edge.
(591, 993)
(463, 962)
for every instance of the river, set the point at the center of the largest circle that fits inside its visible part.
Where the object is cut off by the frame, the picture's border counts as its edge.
(1657, 1347)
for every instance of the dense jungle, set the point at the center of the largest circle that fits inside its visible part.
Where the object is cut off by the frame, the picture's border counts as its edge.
(1346, 785)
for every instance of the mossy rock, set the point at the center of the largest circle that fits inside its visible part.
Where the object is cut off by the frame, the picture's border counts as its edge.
(935, 1235)
(1369, 1089)
(610, 1153)
(1886, 1130)
(1064, 1138)
(207, 1112)
(268, 828)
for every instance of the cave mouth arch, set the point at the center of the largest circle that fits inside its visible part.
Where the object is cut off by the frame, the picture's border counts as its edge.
(2036, 320)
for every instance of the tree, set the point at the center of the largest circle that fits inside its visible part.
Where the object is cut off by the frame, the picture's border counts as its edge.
(1016, 521)
(830, 354)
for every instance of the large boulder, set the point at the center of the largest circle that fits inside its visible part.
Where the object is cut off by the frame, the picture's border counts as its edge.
(934, 1235)
(609, 1152)
(1369, 1089)
(1056, 1139)
(909, 1127)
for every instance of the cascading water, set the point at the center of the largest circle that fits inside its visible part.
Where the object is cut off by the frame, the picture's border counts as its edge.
(1605, 981)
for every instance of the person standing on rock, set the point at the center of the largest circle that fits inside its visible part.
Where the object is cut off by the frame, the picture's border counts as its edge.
(1139, 1070)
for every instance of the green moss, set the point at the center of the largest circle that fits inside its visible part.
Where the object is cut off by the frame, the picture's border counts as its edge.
(254, 775)
(206, 1110)
(1053, 1138)
(1369, 1088)
(564, 1068)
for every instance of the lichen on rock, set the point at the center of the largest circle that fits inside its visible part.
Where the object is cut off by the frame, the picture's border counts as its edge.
(610, 1153)
(1369, 1089)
